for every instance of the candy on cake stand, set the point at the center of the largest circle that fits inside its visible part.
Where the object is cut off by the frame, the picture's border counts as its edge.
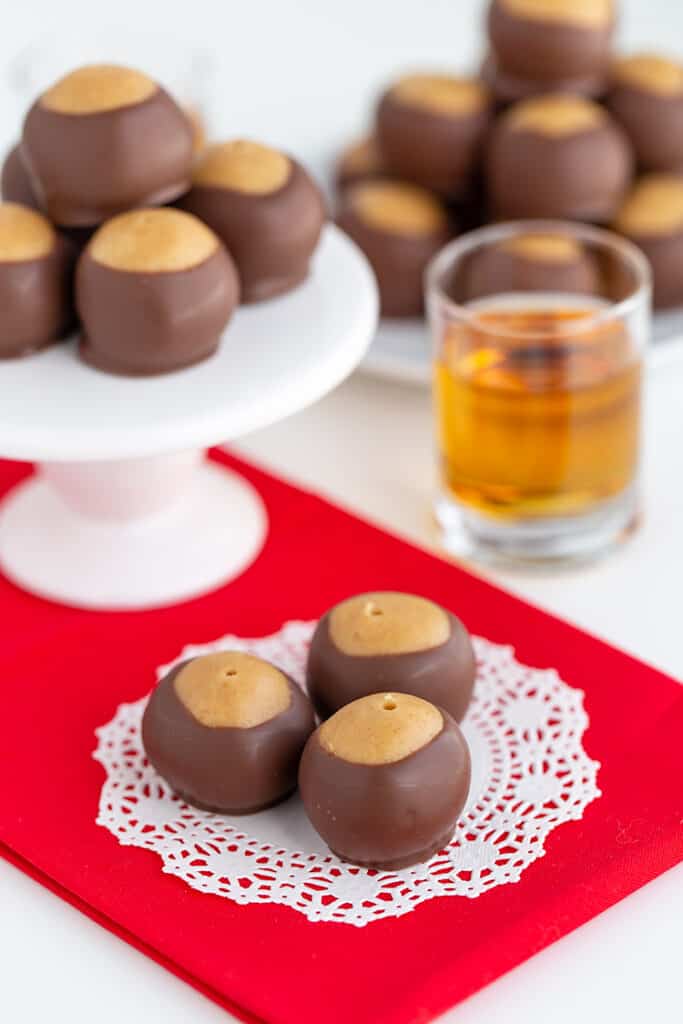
(124, 510)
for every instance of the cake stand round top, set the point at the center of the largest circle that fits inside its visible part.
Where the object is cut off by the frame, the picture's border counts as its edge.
(275, 358)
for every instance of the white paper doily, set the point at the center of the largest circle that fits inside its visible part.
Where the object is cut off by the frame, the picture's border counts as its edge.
(530, 774)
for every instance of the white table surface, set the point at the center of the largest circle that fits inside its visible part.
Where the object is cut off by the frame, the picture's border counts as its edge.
(300, 74)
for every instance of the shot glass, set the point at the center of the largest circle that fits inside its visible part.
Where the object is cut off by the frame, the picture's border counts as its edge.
(539, 332)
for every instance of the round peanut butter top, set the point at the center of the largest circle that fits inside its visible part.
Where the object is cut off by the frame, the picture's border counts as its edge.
(594, 14)
(243, 166)
(555, 115)
(546, 248)
(398, 208)
(380, 729)
(153, 241)
(98, 87)
(442, 94)
(651, 73)
(24, 234)
(232, 690)
(388, 623)
(654, 207)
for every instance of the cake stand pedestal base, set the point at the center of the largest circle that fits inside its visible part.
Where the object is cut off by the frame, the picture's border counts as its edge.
(130, 534)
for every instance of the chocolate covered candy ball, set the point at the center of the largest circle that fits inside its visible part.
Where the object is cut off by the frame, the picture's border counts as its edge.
(267, 210)
(390, 641)
(557, 156)
(36, 272)
(552, 39)
(15, 182)
(399, 227)
(105, 139)
(430, 129)
(226, 731)
(385, 780)
(652, 217)
(154, 290)
(647, 99)
(361, 161)
(531, 263)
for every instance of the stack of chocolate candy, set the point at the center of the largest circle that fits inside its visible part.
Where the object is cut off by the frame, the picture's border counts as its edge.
(386, 775)
(553, 126)
(112, 217)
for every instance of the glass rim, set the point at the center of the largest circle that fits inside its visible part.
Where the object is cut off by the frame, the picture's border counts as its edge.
(492, 233)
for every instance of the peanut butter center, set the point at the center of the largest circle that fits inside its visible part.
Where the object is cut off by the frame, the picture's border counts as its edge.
(654, 207)
(441, 94)
(544, 248)
(399, 209)
(153, 241)
(24, 234)
(387, 623)
(243, 166)
(555, 115)
(582, 13)
(232, 690)
(380, 729)
(652, 73)
(96, 88)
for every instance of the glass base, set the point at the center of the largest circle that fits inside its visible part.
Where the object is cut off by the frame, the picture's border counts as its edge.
(537, 543)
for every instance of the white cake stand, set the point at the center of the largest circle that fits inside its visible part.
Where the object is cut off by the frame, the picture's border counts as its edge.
(125, 511)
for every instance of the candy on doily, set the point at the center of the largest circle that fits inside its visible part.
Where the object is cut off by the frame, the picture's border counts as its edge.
(530, 775)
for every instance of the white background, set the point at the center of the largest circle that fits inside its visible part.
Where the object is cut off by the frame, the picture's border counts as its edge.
(302, 74)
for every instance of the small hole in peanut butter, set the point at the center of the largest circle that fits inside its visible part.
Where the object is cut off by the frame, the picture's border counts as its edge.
(231, 672)
(372, 609)
(389, 704)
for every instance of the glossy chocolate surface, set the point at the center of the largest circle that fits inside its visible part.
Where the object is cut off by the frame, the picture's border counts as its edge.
(139, 323)
(15, 182)
(36, 300)
(387, 816)
(225, 769)
(508, 88)
(398, 259)
(434, 150)
(653, 123)
(271, 236)
(85, 168)
(547, 49)
(499, 269)
(443, 675)
(579, 176)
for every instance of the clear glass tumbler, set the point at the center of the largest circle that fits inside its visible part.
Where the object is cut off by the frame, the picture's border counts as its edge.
(539, 331)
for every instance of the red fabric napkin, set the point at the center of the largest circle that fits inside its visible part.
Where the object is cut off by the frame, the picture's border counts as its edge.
(64, 672)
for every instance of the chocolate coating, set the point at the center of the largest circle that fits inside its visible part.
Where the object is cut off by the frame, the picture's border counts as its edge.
(438, 149)
(36, 299)
(507, 88)
(361, 161)
(225, 769)
(86, 167)
(443, 674)
(271, 236)
(651, 112)
(15, 182)
(548, 48)
(398, 257)
(387, 816)
(579, 173)
(145, 322)
(652, 218)
(535, 263)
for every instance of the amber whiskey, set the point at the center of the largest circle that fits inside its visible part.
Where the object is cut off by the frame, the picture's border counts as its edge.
(537, 410)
